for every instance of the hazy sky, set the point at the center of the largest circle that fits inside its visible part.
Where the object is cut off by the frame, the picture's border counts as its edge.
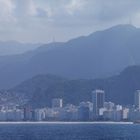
(43, 20)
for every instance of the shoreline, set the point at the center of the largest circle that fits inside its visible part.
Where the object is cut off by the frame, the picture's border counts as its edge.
(67, 123)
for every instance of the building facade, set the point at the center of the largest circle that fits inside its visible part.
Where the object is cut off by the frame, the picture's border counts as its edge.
(98, 99)
(137, 99)
(57, 103)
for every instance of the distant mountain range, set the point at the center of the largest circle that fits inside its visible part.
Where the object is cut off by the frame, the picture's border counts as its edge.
(14, 47)
(99, 55)
(40, 90)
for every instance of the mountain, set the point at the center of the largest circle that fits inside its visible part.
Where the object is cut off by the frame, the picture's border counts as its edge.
(99, 55)
(14, 47)
(41, 89)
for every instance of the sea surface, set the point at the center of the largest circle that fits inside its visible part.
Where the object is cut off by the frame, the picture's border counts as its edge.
(69, 131)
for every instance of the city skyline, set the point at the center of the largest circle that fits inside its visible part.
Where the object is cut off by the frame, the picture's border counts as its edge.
(98, 109)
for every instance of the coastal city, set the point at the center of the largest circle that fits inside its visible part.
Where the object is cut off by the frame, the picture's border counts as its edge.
(95, 110)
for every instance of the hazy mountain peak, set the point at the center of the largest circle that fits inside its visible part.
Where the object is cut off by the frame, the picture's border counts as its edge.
(99, 55)
(123, 27)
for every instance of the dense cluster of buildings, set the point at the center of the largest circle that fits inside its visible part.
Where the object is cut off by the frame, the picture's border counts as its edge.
(95, 110)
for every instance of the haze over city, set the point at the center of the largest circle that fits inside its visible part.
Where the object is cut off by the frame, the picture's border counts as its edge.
(69, 69)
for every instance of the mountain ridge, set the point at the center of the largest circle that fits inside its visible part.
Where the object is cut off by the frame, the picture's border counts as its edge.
(41, 89)
(12, 47)
(98, 55)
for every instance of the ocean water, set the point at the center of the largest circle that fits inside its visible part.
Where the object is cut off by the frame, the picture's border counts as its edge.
(69, 132)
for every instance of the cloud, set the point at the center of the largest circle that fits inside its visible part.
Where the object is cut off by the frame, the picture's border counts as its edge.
(111, 9)
(6, 10)
(74, 6)
(25, 8)
(40, 20)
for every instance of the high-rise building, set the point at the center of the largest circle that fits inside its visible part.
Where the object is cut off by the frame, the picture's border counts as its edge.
(98, 99)
(137, 99)
(83, 113)
(57, 103)
(27, 113)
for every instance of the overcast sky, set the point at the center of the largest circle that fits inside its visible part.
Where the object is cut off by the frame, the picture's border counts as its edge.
(43, 20)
